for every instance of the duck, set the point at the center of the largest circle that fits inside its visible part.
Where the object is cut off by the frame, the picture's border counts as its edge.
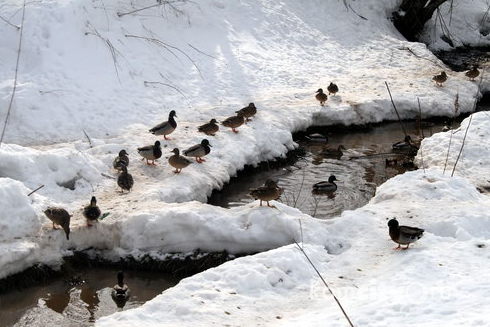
(270, 191)
(403, 234)
(151, 152)
(60, 217)
(247, 112)
(177, 161)
(406, 145)
(91, 212)
(473, 73)
(167, 127)
(391, 162)
(334, 153)
(332, 88)
(120, 160)
(125, 180)
(120, 292)
(320, 96)
(233, 122)
(210, 128)
(327, 187)
(439, 79)
(317, 137)
(199, 150)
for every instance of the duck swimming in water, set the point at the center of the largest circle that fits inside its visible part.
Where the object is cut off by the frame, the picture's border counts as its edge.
(405, 146)
(327, 187)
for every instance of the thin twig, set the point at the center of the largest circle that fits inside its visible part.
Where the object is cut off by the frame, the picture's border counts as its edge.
(120, 14)
(16, 73)
(201, 52)
(40, 187)
(421, 151)
(393, 103)
(88, 138)
(448, 149)
(165, 84)
(9, 23)
(114, 52)
(326, 285)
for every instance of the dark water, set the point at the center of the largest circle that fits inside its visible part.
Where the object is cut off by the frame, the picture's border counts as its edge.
(358, 177)
(78, 302)
(464, 59)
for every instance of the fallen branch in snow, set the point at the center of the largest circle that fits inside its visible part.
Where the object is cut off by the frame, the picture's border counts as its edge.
(107, 176)
(420, 57)
(16, 73)
(393, 103)
(165, 84)
(40, 187)
(360, 16)
(325, 283)
(208, 55)
(9, 23)
(167, 47)
(88, 138)
(120, 14)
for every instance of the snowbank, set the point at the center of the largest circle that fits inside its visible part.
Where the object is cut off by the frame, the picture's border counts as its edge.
(467, 21)
(438, 281)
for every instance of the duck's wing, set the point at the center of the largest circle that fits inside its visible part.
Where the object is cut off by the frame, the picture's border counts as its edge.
(192, 149)
(412, 232)
(160, 126)
(145, 148)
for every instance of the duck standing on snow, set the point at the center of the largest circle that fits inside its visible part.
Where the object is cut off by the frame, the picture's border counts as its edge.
(167, 127)
(473, 73)
(322, 97)
(198, 151)
(247, 112)
(178, 162)
(210, 128)
(151, 152)
(334, 153)
(120, 292)
(91, 212)
(233, 122)
(404, 234)
(125, 180)
(332, 88)
(270, 191)
(60, 217)
(326, 187)
(439, 79)
(121, 160)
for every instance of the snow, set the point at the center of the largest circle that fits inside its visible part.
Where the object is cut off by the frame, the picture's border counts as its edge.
(275, 54)
(467, 21)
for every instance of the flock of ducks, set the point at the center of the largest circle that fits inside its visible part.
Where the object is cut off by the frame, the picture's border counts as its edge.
(270, 191)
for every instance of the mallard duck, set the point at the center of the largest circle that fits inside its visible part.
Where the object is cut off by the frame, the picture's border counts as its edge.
(327, 187)
(332, 88)
(322, 97)
(151, 152)
(233, 122)
(125, 180)
(317, 137)
(210, 128)
(404, 234)
(167, 127)
(120, 292)
(91, 212)
(334, 153)
(406, 145)
(60, 217)
(473, 73)
(198, 151)
(391, 162)
(439, 79)
(270, 191)
(247, 112)
(178, 162)
(120, 160)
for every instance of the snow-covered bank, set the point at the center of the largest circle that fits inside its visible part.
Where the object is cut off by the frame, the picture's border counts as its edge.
(438, 281)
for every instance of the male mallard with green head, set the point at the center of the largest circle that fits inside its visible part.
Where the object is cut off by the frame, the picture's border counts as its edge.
(120, 292)
(320, 96)
(91, 212)
(199, 150)
(233, 122)
(178, 162)
(439, 79)
(125, 180)
(473, 73)
(247, 112)
(270, 191)
(167, 127)
(120, 160)
(326, 186)
(404, 234)
(332, 88)
(60, 217)
(151, 152)
(210, 128)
